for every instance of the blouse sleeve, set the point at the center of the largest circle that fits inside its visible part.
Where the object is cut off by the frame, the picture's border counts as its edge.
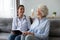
(14, 24)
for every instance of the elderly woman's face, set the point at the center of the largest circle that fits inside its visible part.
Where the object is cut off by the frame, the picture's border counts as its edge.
(21, 11)
(39, 14)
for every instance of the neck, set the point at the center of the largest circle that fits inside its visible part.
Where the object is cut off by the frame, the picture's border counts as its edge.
(40, 17)
(20, 16)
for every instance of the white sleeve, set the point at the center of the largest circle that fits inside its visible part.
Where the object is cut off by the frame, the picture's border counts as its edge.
(14, 24)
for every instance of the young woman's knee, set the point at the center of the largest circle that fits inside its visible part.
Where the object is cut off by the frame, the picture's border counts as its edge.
(12, 37)
(18, 37)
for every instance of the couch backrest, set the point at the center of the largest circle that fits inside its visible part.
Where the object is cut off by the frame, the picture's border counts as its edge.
(5, 24)
(54, 28)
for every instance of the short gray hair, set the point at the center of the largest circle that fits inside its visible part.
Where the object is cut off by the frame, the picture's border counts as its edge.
(44, 10)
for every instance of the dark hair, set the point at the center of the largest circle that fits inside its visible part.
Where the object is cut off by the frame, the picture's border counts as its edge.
(20, 6)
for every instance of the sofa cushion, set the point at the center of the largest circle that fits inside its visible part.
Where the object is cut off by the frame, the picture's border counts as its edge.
(54, 38)
(55, 28)
(5, 24)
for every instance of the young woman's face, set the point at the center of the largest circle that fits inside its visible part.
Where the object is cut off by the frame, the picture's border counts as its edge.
(21, 11)
(39, 14)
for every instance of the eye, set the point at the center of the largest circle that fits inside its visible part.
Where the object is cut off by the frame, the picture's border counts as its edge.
(21, 9)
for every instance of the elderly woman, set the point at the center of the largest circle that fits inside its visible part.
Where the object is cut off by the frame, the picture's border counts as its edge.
(40, 28)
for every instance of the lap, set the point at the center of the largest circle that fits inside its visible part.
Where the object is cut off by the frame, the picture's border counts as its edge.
(31, 37)
(14, 37)
(28, 37)
(18, 37)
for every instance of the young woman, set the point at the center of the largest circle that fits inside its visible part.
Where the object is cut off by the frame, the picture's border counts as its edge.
(21, 23)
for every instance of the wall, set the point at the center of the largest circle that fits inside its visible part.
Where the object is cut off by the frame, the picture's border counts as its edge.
(53, 5)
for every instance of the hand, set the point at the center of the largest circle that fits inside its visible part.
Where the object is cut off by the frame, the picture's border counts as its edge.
(30, 33)
(26, 33)
(12, 33)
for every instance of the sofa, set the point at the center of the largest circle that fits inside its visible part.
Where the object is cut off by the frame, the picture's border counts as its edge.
(6, 24)
(5, 28)
(54, 33)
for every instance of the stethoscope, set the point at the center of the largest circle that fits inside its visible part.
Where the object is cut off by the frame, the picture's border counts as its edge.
(17, 21)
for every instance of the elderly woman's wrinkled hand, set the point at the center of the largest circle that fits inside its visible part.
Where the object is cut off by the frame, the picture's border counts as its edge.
(27, 33)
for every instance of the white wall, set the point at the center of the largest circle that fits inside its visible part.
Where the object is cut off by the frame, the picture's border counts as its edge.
(53, 5)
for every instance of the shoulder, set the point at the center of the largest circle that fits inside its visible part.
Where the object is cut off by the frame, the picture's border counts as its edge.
(15, 18)
(47, 21)
(35, 19)
(27, 18)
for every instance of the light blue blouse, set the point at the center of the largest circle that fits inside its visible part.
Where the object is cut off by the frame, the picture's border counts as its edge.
(40, 28)
(21, 24)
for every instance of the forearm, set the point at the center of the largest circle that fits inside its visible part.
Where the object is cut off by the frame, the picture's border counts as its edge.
(40, 35)
(27, 33)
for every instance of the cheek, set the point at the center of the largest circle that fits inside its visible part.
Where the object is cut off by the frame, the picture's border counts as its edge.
(39, 13)
(20, 11)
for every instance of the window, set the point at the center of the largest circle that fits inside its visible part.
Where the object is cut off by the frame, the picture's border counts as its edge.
(8, 8)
